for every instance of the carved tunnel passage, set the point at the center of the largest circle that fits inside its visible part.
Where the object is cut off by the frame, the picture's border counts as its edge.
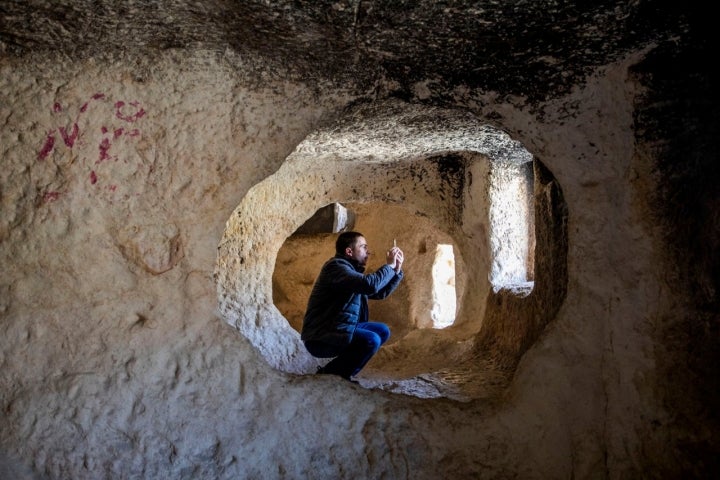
(424, 177)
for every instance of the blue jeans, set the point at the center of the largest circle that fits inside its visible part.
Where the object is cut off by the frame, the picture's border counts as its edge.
(365, 342)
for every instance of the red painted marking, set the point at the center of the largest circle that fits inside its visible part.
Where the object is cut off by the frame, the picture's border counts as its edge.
(112, 187)
(69, 139)
(48, 147)
(96, 96)
(50, 196)
(70, 135)
(103, 147)
(128, 118)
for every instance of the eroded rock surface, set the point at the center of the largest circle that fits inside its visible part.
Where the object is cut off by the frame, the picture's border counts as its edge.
(133, 131)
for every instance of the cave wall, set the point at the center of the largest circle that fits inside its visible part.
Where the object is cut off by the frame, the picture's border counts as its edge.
(118, 180)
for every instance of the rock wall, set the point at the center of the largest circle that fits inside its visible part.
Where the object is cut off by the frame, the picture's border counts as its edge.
(119, 180)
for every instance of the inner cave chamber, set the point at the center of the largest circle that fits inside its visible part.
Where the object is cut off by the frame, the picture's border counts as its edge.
(421, 177)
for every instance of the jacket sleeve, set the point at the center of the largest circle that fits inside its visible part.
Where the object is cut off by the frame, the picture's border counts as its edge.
(390, 287)
(348, 279)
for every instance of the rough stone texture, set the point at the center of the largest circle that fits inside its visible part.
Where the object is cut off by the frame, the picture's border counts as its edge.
(133, 133)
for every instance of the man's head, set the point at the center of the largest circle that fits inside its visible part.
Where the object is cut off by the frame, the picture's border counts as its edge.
(352, 245)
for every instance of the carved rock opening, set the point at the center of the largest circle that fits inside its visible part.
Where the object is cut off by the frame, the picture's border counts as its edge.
(421, 175)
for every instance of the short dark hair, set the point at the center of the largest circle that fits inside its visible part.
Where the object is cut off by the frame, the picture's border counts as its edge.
(344, 240)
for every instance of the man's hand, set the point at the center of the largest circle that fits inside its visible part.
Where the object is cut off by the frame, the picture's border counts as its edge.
(395, 258)
(399, 257)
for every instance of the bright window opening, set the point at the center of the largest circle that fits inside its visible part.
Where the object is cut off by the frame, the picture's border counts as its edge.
(512, 226)
(443, 292)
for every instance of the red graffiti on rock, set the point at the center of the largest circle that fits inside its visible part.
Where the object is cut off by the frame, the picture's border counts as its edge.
(103, 147)
(129, 112)
(139, 112)
(70, 138)
(47, 146)
(50, 196)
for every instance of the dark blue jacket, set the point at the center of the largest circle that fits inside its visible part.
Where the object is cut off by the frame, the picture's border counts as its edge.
(338, 301)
